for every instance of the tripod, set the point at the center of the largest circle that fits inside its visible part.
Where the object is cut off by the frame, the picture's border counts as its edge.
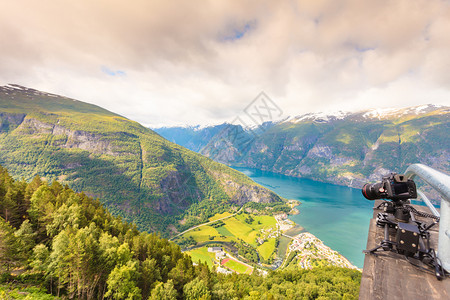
(412, 237)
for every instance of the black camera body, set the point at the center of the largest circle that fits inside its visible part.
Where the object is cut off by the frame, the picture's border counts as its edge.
(393, 186)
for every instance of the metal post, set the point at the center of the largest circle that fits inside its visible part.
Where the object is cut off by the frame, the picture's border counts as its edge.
(441, 183)
(444, 239)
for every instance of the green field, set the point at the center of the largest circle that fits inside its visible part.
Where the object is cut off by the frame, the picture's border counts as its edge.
(219, 216)
(240, 229)
(238, 267)
(224, 231)
(202, 254)
(266, 221)
(282, 247)
(203, 234)
(267, 248)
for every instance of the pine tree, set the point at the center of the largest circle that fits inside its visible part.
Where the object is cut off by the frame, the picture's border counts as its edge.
(9, 256)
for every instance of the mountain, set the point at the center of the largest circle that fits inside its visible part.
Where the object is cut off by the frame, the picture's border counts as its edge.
(192, 137)
(135, 172)
(345, 148)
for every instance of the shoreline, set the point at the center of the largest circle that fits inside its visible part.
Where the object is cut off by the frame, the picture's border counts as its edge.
(305, 241)
(298, 232)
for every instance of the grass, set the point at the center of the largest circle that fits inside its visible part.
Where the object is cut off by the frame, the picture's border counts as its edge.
(267, 248)
(240, 230)
(265, 221)
(237, 267)
(14, 292)
(219, 216)
(224, 231)
(282, 246)
(202, 254)
(203, 233)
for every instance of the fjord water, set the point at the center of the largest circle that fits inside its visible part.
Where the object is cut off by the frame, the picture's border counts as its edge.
(337, 215)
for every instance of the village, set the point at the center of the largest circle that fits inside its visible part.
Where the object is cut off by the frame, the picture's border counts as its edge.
(309, 248)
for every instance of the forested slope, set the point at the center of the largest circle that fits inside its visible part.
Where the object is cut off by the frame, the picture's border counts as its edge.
(67, 244)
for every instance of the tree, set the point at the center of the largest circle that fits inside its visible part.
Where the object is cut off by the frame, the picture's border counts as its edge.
(8, 205)
(39, 258)
(164, 291)
(42, 207)
(59, 261)
(32, 187)
(25, 239)
(9, 255)
(196, 289)
(149, 275)
(122, 282)
(182, 273)
(64, 217)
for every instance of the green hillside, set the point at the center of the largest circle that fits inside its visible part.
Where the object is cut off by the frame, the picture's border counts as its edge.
(58, 244)
(139, 175)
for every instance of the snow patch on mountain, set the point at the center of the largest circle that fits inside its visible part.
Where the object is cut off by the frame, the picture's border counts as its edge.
(383, 113)
(376, 113)
(320, 117)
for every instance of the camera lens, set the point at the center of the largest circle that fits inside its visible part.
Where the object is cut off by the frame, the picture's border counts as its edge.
(372, 191)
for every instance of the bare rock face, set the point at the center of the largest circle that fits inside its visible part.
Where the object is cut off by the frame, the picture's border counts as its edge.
(88, 141)
(178, 192)
(321, 151)
(246, 194)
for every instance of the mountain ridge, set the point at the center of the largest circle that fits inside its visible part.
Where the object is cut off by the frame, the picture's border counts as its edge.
(345, 148)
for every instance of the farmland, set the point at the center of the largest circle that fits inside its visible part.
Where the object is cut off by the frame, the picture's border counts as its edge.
(220, 216)
(255, 237)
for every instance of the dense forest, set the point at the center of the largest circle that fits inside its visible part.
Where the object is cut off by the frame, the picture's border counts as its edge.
(56, 243)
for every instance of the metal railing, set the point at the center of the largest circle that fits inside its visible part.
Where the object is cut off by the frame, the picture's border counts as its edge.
(441, 183)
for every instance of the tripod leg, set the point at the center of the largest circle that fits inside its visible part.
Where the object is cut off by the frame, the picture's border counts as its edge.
(386, 244)
(373, 250)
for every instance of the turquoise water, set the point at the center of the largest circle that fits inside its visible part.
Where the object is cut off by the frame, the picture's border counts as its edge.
(337, 215)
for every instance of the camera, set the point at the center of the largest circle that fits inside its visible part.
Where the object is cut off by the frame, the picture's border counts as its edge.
(394, 187)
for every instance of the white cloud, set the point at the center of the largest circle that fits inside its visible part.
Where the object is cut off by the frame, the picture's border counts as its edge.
(181, 64)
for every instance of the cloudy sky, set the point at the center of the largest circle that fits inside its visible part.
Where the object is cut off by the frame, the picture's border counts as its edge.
(202, 62)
